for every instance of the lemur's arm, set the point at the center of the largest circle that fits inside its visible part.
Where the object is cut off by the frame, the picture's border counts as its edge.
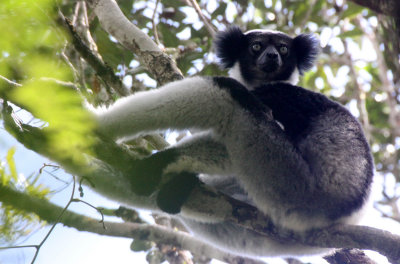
(192, 103)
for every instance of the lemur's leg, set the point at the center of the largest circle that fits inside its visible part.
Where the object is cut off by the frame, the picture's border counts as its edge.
(180, 165)
(201, 153)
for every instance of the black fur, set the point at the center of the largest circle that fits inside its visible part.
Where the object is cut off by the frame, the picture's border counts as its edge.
(175, 192)
(241, 95)
(293, 106)
(229, 44)
(146, 173)
(306, 47)
(296, 108)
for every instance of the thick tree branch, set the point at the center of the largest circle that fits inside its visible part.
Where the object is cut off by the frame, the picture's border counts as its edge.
(103, 71)
(349, 256)
(50, 213)
(160, 65)
(386, 7)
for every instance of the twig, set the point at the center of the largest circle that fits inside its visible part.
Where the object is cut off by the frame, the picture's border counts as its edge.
(308, 13)
(361, 95)
(59, 82)
(55, 222)
(157, 40)
(209, 26)
(48, 165)
(100, 210)
(387, 85)
(9, 81)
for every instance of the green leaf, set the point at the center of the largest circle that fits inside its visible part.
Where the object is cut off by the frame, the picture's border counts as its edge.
(301, 11)
(220, 10)
(11, 163)
(111, 52)
(356, 32)
(173, 3)
(352, 10)
(316, 12)
(33, 43)
(29, 27)
(4, 177)
(259, 5)
(68, 123)
(168, 34)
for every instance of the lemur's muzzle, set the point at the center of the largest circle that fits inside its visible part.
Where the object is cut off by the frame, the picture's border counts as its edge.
(269, 60)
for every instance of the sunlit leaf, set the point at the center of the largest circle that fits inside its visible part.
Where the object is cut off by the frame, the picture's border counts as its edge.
(16, 223)
(11, 164)
(32, 48)
(356, 32)
(352, 10)
(68, 124)
(28, 27)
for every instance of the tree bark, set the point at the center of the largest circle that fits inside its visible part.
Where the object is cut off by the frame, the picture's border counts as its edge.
(386, 7)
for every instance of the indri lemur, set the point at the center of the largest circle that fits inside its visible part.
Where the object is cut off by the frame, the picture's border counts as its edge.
(297, 156)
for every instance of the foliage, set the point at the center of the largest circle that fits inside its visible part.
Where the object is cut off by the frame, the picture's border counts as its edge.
(31, 56)
(15, 223)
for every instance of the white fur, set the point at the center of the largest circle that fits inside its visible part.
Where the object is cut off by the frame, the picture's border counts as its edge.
(236, 74)
(179, 104)
(264, 31)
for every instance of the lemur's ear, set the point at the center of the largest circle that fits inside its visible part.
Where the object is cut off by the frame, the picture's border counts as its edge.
(228, 45)
(306, 47)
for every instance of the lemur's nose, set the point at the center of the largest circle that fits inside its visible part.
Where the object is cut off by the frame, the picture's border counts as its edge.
(272, 55)
(271, 52)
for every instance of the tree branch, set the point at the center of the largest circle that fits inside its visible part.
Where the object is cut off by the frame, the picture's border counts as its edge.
(386, 7)
(103, 71)
(210, 28)
(50, 213)
(349, 256)
(160, 65)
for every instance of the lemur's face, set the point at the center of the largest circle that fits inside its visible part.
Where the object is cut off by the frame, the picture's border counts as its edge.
(263, 56)
(268, 57)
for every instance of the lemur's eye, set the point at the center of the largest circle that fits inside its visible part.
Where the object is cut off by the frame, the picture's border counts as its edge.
(283, 49)
(256, 47)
